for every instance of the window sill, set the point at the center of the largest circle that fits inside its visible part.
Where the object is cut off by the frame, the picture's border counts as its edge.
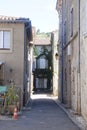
(85, 34)
(5, 51)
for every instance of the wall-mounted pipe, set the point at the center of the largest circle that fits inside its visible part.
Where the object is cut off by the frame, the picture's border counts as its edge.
(79, 36)
(79, 73)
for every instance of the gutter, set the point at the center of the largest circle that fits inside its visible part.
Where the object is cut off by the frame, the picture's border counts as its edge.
(79, 70)
(79, 35)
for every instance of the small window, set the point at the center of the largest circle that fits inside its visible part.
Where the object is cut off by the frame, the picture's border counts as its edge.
(71, 22)
(5, 39)
(42, 63)
(65, 32)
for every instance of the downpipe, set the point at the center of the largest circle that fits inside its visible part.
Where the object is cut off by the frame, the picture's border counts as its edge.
(79, 73)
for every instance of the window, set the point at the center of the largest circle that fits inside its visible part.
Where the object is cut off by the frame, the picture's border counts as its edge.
(5, 39)
(42, 63)
(71, 22)
(65, 32)
(69, 50)
(84, 21)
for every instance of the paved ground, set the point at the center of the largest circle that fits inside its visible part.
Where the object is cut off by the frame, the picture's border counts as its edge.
(45, 114)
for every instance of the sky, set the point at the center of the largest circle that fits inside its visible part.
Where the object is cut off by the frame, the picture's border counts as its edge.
(42, 13)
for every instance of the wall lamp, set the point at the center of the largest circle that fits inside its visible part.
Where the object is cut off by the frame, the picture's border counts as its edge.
(56, 56)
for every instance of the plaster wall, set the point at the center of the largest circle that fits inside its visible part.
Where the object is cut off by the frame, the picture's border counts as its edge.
(14, 58)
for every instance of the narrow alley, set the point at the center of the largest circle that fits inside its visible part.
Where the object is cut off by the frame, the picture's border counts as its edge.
(44, 114)
(43, 67)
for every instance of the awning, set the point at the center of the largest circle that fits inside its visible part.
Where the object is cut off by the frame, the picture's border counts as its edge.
(3, 89)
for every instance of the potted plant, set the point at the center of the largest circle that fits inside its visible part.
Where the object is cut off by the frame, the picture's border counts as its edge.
(13, 98)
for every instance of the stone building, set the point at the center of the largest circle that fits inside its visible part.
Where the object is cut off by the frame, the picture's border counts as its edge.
(83, 56)
(72, 40)
(55, 59)
(42, 63)
(15, 37)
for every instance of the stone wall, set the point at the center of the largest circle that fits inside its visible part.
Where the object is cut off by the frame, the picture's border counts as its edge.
(55, 57)
(83, 53)
(74, 54)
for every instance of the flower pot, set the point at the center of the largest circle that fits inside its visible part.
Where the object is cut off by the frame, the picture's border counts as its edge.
(11, 109)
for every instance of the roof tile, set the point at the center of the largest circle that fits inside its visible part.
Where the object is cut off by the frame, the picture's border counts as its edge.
(13, 19)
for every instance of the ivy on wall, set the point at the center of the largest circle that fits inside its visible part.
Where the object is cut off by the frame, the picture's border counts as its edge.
(35, 52)
(48, 55)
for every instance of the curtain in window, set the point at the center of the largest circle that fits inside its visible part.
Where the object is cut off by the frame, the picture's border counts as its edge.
(6, 39)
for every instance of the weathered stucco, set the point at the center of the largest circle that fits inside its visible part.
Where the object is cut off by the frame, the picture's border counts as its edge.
(14, 58)
(74, 63)
(83, 50)
(55, 58)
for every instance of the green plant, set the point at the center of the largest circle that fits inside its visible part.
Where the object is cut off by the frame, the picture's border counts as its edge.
(12, 95)
(35, 50)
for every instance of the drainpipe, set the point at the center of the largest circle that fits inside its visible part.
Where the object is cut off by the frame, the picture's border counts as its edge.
(24, 89)
(79, 74)
(79, 35)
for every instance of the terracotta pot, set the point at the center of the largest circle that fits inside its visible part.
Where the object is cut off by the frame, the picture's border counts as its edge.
(11, 109)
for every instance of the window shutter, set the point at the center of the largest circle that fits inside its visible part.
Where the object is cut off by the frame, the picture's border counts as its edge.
(1, 39)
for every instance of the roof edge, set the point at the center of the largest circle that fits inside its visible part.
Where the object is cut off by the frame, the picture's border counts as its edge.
(8, 19)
